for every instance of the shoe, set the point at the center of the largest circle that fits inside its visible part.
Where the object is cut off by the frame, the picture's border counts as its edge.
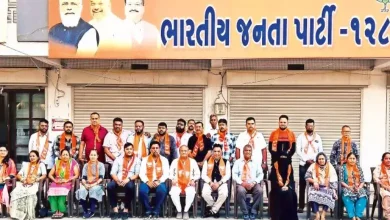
(208, 214)
(246, 217)
(85, 215)
(115, 216)
(216, 215)
(179, 215)
(300, 210)
(186, 216)
(90, 214)
(124, 215)
(252, 216)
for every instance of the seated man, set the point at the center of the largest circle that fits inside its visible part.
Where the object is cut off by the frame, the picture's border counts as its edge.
(248, 175)
(154, 172)
(215, 173)
(124, 172)
(183, 173)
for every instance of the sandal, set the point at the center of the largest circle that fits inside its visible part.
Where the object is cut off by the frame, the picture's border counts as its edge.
(60, 216)
(54, 216)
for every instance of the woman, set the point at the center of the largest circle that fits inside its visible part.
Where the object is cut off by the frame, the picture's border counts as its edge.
(352, 182)
(381, 176)
(92, 176)
(7, 172)
(65, 170)
(323, 185)
(24, 196)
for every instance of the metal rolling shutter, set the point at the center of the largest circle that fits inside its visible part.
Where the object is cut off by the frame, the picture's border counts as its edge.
(388, 119)
(331, 108)
(152, 105)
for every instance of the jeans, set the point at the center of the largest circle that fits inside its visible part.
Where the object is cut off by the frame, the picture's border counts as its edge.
(161, 193)
(129, 193)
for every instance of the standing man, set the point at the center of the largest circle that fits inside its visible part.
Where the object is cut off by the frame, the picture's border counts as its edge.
(115, 141)
(226, 140)
(215, 174)
(342, 147)
(191, 127)
(181, 136)
(124, 172)
(43, 143)
(167, 142)
(214, 129)
(140, 140)
(67, 140)
(92, 138)
(154, 172)
(309, 144)
(248, 174)
(200, 146)
(255, 139)
(184, 172)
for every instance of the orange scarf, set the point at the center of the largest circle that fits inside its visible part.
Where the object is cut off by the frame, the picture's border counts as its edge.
(252, 139)
(119, 142)
(63, 141)
(63, 169)
(32, 174)
(221, 167)
(343, 156)
(310, 143)
(280, 179)
(356, 174)
(274, 138)
(384, 176)
(246, 173)
(167, 144)
(137, 139)
(96, 132)
(126, 166)
(150, 169)
(45, 148)
(178, 139)
(318, 175)
(222, 139)
(184, 170)
(90, 177)
(199, 145)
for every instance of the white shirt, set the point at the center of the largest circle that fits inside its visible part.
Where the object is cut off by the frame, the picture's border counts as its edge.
(32, 145)
(211, 131)
(117, 168)
(224, 179)
(111, 144)
(302, 143)
(194, 170)
(183, 141)
(259, 142)
(145, 139)
(165, 169)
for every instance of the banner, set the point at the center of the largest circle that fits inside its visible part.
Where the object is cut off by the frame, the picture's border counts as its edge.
(219, 29)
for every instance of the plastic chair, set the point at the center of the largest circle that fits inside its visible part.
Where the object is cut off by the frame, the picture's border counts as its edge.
(70, 198)
(262, 185)
(308, 207)
(215, 196)
(194, 203)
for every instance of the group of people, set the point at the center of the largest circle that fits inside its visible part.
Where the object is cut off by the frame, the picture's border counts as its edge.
(186, 156)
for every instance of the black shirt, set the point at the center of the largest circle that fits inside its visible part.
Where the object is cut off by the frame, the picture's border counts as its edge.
(201, 154)
(216, 175)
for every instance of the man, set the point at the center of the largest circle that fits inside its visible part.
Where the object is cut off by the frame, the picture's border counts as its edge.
(124, 172)
(106, 23)
(115, 140)
(191, 127)
(199, 145)
(184, 172)
(309, 144)
(73, 32)
(154, 172)
(167, 142)
(67, 140)
(43, 143)
(140, 140)
(342, 147)
(255, 139)
(215, 174)
(181, 136)
(248, 174)
(213, 123)
(92, 138)
(142, 33)
(226, 140)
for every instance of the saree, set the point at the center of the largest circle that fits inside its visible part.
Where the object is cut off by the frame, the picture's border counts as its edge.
(8, 171)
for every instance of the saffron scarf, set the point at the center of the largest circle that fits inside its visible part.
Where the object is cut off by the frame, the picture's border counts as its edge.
(126, 166)
(32, 173)
(274, 138)
(178, 139)
(63, 169)
(246, 172)
(252, 139)
(222, 139)
(310, 143)
(280, 179)
(344, 140)
(45, 148)
(63, 142)
(319, 176)
(351, 174)
(199, 145)
(221, 167)
(384, 177)
(167, 143)
(150, 168)
(119, 142)
(137, 140)
(96, 132)
(8, 170)
(91, 177)
(183, 174)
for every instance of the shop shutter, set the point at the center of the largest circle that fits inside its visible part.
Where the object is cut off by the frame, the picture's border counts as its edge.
(152, 105)
(331, 108)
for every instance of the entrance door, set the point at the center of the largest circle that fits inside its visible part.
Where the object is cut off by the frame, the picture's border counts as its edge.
(4, 120)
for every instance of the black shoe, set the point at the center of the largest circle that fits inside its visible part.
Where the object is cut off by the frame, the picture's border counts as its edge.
(208, 214)
(300, 210)
(115, 216)
(125, 215)
(216, 215)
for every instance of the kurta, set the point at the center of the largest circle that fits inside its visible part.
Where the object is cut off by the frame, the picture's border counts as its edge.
(95, 192)
(63, 188)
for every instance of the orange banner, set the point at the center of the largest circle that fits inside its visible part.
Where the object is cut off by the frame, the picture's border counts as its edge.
(218, 29)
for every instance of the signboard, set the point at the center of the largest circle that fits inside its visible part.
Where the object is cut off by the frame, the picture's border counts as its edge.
(3, 20)
(219, 29)
(58, 124)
